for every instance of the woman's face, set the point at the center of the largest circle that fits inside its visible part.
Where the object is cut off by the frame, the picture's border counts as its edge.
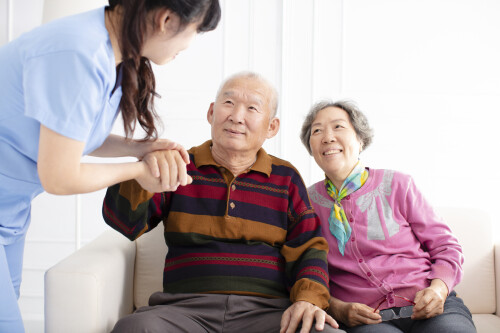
(165, 41)
(334, 143)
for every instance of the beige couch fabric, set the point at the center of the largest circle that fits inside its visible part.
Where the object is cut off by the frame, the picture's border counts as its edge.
(105, 280)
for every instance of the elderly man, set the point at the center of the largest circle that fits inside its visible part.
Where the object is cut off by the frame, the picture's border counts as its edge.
(245, 247)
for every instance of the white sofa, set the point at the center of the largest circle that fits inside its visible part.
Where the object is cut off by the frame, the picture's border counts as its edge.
(105, 280)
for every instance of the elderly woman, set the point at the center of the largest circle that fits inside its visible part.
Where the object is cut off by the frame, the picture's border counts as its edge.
(393, 263)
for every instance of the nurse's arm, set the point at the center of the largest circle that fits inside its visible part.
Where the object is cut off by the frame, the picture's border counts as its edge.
(118, 146)
(61, 172)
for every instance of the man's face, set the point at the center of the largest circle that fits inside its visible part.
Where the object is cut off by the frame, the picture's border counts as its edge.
(241, 116)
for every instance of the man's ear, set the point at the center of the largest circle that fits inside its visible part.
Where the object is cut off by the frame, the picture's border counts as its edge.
(210, 113)
(274, 127)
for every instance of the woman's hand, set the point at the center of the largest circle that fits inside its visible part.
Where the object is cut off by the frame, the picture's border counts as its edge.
(167, 170)
(144, 148)
(119, 146)
(353, 314)
(429, 302)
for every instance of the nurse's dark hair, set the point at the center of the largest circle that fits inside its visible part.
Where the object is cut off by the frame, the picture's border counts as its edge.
(138, 81)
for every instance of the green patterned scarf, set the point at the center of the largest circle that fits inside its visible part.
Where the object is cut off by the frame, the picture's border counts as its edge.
(339, 226)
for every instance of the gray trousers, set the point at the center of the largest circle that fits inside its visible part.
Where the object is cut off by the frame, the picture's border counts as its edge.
(456, 318)
(193, 313)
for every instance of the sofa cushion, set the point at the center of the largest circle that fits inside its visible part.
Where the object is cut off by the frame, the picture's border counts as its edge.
(149, 264)
(486, 323)
(473, 228)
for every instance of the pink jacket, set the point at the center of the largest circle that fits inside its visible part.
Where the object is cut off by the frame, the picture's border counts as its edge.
(398, 243)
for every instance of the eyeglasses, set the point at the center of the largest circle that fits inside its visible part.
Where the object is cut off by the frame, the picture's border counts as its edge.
(396, 313)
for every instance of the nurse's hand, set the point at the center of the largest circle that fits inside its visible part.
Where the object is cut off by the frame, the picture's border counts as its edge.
(167, 170)
(119, 146)
(144, 148)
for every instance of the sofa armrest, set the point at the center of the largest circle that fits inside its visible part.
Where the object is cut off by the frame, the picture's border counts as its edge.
(92, 288)
(497, 276)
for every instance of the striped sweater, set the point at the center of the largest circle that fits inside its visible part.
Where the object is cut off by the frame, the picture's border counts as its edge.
(254, 234)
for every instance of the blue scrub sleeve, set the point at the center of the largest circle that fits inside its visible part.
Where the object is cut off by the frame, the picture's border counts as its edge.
(64, 91)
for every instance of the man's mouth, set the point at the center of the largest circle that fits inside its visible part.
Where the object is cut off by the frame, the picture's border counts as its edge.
(232, 131)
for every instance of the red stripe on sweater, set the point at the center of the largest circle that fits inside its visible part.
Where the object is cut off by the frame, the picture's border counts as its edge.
(223, 263)
(310, 224)
(316, 271)
(111, 216)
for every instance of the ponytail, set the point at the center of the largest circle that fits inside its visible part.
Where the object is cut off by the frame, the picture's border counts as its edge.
(138, 80)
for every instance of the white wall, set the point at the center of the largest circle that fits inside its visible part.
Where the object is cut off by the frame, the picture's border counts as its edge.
(426, 72)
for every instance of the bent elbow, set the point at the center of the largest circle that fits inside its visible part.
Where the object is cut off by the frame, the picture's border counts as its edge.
(54, 184)
(53, 188)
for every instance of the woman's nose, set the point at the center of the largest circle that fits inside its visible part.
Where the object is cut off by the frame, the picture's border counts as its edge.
(328, 137)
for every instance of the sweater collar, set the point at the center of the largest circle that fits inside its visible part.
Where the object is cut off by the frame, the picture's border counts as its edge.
(203, 156)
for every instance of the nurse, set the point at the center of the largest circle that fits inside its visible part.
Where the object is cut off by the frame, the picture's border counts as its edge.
(62, 86)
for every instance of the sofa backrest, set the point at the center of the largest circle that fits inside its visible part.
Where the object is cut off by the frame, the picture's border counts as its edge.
(472, 227)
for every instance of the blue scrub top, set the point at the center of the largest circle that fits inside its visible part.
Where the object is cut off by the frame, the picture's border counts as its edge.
(61, 75)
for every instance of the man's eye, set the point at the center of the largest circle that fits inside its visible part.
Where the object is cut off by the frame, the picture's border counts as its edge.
(228, 102)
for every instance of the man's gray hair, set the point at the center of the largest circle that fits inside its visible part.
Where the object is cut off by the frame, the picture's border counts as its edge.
(358, 120)
(256, 76)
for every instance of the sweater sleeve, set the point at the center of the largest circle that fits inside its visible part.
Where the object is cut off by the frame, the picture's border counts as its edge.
(305, 250)
(436, 238)
(131, 210)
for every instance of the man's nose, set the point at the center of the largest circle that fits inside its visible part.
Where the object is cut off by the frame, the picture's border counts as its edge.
(238, 114)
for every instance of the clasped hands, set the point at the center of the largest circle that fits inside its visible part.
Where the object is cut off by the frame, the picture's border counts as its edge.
(164, 170)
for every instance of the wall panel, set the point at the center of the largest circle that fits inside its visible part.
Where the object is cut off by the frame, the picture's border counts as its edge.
(297, 69)
(422, 46)
(327, 66)
(4, 21)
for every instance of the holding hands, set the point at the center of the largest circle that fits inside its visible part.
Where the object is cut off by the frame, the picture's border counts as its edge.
(161, 144)
(164, 170)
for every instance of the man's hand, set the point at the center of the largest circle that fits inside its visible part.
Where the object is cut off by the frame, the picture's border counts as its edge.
(306, 313)
(353, 314)
(167, 170)
(429, 302)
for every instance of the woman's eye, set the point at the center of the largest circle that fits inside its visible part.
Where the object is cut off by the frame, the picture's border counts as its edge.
(316, 130)
(339, 126)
